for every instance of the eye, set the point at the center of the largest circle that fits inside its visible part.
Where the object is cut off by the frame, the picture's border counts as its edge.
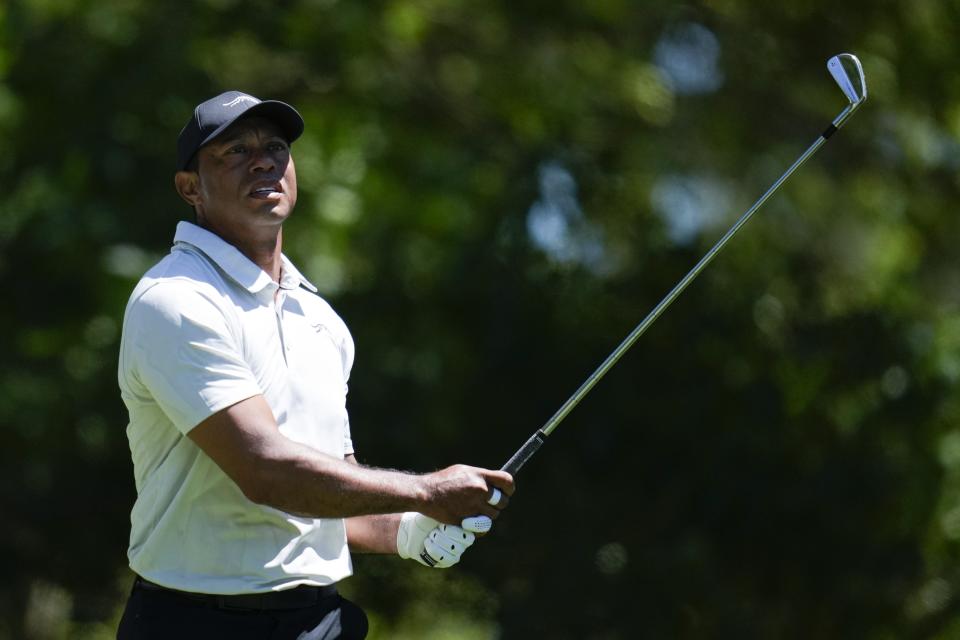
(277, 145)
(237, 148)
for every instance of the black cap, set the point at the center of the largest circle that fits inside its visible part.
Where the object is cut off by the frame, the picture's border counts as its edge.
(212, 117)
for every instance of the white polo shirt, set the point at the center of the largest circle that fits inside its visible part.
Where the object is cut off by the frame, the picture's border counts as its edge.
(204, 329)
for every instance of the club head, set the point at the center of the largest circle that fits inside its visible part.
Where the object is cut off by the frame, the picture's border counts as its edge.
(848, 73)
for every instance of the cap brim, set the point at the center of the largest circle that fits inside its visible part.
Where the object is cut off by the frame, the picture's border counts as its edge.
(280, 113)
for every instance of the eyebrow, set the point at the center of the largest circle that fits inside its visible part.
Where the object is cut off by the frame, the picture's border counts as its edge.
(242, 132)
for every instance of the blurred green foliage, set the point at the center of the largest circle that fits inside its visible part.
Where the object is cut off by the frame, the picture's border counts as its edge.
(492, 195)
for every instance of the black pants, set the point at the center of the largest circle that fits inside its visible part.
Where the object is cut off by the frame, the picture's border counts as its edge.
(153, 614)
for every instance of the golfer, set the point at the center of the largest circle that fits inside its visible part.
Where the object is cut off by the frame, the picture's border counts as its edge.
(234, 372)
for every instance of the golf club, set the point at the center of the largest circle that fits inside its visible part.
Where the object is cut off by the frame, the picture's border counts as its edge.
(848, 73)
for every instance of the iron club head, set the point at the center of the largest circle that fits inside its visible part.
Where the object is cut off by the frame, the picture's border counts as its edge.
(848, 72)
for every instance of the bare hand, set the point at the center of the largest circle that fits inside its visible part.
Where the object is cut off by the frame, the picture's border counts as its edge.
(462, 491)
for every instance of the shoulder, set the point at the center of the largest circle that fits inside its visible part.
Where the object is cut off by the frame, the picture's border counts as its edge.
(181, 284)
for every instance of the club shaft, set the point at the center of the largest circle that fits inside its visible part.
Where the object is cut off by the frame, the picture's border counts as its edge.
(628, 342)
(534, 442)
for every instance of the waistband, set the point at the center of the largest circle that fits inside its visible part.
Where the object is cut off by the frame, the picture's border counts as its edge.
(296, 598)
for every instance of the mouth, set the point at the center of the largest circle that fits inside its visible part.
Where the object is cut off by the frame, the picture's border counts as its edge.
(266, 191)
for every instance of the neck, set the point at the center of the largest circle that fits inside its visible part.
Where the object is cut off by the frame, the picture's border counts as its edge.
(264, 252)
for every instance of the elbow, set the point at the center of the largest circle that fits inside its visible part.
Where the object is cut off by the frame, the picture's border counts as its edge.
(255, 490)
(256, 495)
(258, 485)
(267, 485)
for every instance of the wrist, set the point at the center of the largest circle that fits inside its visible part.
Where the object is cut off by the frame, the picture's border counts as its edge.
(403, 534)
(421, 492)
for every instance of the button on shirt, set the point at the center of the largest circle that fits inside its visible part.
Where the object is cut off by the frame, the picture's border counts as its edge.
(204, 329)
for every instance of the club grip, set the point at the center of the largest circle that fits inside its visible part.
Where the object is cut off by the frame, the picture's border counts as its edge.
(524, 453)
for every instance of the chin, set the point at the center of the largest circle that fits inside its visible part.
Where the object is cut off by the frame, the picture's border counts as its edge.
(279, 211)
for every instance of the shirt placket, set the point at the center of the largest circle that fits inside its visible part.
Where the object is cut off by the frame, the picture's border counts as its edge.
(278, 304)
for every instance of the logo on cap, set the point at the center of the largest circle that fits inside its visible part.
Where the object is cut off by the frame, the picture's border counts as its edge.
(240, 99)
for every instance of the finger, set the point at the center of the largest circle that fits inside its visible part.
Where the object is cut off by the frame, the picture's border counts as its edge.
(452, 531)
(448, 546)
(486, 510)
(501, 480)
(452, 539)
(495, 496)
(442, 558)
(502, 504)
(477, 524)
(450, 542)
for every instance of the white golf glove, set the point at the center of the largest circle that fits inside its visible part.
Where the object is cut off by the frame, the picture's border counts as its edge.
(430, 543)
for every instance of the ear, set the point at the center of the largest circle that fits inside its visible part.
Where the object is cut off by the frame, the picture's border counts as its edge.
(187, 184)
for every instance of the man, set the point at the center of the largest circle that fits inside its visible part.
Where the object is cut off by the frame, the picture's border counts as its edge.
(234, 372)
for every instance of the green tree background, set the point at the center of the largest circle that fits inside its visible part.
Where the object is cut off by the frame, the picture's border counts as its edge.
(492, 195)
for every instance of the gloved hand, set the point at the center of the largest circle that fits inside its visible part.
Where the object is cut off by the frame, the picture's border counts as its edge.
(430, 543)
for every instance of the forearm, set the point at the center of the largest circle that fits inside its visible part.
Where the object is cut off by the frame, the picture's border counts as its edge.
(373, 534)
(303, 481)
(270, 469)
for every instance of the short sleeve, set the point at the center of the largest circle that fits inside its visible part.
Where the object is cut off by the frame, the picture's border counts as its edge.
(346, 356)
(347, 440)
(184, 354)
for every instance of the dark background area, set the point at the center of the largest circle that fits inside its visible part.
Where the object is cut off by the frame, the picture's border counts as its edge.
(492, 195)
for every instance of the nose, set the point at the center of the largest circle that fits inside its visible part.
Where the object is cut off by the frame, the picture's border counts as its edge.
(263, 160)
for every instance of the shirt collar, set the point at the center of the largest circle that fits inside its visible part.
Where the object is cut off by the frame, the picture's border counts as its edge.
(236, 265)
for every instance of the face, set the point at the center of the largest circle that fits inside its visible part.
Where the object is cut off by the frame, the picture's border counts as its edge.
(246, 183)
